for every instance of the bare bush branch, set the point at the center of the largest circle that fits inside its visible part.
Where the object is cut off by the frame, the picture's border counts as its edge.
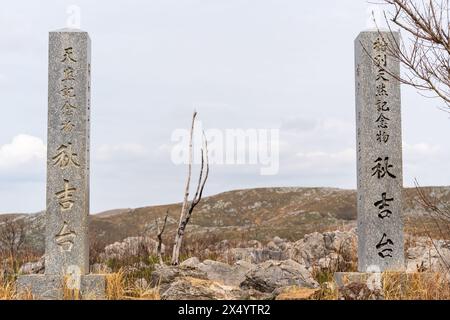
(12, 238)
(159, 236)
(425, 49)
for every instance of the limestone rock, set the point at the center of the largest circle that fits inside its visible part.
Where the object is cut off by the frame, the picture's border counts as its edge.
(37, 267)
(427, 255)
(322, 249)
(270, 275)
(130, 247)
(255, 255)
(224, 273)
(164, 276)
(191, 262)
(188, 288)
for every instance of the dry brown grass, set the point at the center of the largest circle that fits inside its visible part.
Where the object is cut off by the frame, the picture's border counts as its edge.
(117, 288)
(68, 293)
(297, 293)
(401, 286)
(416, 286)
(8, 291)
(327, 291)
(115, 285)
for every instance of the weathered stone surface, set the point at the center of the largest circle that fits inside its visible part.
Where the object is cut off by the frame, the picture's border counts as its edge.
(51, 287)
(66, 217)
(68, 152)
(379, 154)
(130, 247)
(33, 267)
(270, 275)
(254, 255)
(322, 250)
(190, 263)
(164, 275)
(187, 288)
(428, 256)
(224, 273)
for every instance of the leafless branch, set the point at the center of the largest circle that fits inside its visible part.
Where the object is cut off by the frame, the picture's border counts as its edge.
(159, 236)
(440, 218)
(425, 51)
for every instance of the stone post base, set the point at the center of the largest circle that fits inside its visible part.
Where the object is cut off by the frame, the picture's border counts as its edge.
(372, 285)
(49, 287)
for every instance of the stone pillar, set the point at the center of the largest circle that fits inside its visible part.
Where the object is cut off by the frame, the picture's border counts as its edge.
(379, 154)
(67, 241)
(68, 153)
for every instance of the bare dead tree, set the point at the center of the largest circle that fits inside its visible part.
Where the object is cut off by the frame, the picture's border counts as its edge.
(12, 237)
(189, 206)
(159, 236)
(425, 49)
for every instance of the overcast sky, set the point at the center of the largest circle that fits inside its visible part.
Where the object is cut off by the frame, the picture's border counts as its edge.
(243, 64)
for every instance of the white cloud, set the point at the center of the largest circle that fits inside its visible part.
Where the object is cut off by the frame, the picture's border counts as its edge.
(326, 160)
(299, 124)
(421, 149)
(304, 125)
(23, 150)
(128, 151)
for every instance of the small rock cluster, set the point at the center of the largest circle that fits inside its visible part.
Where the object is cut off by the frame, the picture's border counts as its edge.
(129, 247)
(194, 280)
(252, 270)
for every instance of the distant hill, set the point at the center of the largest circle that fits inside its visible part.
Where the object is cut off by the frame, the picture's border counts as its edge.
(242, 214)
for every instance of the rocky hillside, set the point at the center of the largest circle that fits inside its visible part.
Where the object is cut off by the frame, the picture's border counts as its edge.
(259, 214)
(279, 269)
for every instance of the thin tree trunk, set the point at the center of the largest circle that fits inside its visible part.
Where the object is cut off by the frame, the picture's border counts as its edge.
(160, 233)
(180, 232)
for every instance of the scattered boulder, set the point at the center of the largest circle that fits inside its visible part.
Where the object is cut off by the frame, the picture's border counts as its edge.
(100, 268)
(224, 273)
(219, 271)
(188, 288)
(130, 247)
(428, 256)
(37, 267)
(270, 275)
(163, 276)
(323, 249)
(190, 263)
(254, 255)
